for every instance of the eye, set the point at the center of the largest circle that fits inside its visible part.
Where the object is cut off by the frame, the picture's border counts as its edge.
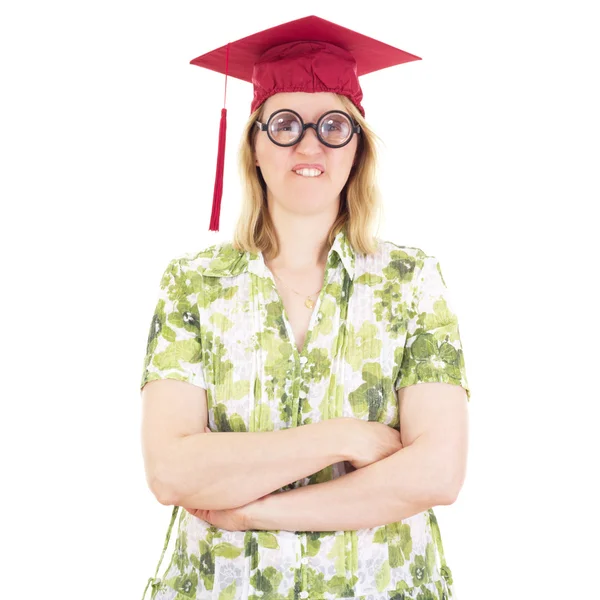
(332, 125)
(336, 128)
(285, 125)
(284, 128)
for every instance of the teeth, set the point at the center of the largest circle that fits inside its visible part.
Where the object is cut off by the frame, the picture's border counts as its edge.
(308, 172)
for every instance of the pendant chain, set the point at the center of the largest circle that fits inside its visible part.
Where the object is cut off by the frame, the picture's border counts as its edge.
(309, 303)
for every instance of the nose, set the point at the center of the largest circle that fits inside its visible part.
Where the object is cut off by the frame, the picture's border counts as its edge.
(309, 144)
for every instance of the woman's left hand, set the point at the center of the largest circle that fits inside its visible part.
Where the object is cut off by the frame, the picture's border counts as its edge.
(231, 519)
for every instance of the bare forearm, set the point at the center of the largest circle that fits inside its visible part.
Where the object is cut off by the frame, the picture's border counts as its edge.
(226, 470)
(394, 488)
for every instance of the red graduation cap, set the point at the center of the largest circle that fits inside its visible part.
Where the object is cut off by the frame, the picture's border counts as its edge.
(305, 55)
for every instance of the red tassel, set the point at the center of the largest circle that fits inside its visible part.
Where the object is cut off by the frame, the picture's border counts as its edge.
(218, 191)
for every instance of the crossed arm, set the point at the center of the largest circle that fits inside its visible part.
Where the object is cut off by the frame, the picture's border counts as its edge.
(205, 471)
(429, 470)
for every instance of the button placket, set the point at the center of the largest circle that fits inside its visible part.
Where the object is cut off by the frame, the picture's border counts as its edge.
(301, 392)
(303, 562)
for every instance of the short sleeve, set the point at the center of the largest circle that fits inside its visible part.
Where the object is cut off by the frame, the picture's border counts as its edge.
(433, 350)
(174, 347)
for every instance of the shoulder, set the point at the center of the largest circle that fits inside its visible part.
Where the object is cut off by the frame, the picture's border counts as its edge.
(395, 250)
(395, 261)
(217, 260)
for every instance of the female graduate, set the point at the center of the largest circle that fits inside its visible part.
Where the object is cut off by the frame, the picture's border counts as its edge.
(304, 386)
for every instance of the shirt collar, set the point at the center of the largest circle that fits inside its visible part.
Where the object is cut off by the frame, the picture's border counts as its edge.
(224, 261)
(340, 247)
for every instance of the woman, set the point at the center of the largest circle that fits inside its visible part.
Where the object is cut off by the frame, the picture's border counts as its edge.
(304, 386)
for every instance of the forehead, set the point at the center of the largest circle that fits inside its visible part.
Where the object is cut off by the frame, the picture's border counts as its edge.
(308, 105)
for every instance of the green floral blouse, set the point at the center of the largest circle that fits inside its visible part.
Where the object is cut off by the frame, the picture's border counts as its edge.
(381, 322)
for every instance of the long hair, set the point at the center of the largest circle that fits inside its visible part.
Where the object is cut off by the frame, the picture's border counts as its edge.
(360, 198)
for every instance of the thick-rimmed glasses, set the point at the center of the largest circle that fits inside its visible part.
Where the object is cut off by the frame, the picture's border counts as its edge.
(334, 129)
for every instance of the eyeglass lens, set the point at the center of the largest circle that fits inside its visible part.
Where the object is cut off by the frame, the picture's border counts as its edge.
(286, 127)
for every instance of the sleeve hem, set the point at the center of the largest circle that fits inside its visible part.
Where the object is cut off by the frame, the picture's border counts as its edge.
(439, 377)
(192, 379)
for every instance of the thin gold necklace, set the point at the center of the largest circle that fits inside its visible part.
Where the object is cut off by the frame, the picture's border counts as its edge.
(309, 303)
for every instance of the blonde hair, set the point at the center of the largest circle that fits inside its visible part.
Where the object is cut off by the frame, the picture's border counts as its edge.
(360, 199)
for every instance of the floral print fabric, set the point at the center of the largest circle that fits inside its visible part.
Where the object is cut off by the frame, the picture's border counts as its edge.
(381, 322)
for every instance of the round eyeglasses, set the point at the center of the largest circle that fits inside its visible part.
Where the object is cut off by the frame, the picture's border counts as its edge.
(334, 129)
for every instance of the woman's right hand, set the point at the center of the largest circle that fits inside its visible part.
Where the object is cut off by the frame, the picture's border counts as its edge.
(372, 441)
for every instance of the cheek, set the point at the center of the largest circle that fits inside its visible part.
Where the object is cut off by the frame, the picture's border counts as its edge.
(343, 163)
(272, 161)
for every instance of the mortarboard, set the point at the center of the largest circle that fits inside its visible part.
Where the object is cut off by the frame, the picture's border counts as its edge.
(305, 55)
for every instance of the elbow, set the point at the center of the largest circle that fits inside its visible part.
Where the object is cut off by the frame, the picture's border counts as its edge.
(449, 496)
(165, 474)
(445, 474)
(453, 480)
(451, 472)
(163, 492)
(167, 498)
(161, 479)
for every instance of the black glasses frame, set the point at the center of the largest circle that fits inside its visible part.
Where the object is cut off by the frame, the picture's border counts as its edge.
(305, 126)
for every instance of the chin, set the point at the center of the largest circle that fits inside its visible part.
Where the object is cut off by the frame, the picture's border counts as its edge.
(307, 203)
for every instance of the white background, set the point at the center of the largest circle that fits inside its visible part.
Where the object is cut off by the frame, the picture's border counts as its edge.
(108, 147)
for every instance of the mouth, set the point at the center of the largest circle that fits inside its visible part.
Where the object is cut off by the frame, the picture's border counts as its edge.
(309, 173)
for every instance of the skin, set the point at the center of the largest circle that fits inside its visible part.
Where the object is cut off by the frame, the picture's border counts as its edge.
(232, 519)
(303, 209)
(431, 467)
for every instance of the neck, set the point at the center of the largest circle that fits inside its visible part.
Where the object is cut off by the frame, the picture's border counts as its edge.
(303, 244)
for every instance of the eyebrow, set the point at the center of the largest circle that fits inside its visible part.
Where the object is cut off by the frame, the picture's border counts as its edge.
(314, 119)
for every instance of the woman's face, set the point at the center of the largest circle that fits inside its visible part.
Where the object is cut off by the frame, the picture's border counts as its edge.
(295, 192)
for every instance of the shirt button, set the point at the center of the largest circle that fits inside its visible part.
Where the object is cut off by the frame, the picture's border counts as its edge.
(302, 394)
(303, 594)
(303, 360)
(304, 560)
